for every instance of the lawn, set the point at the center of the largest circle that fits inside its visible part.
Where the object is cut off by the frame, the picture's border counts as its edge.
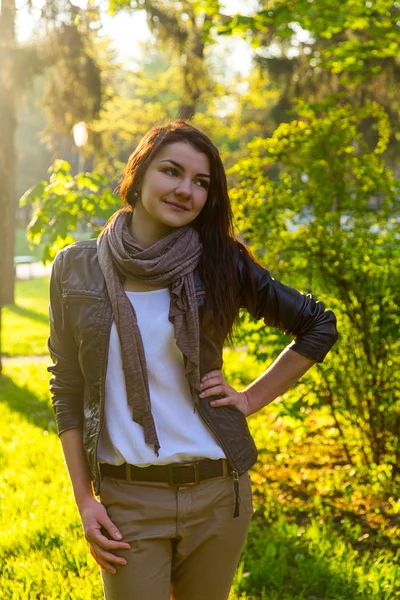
(318, 531)
(26, 324)
(43, 554)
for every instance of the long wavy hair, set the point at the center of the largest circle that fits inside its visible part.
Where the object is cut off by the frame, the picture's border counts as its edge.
(218, 262)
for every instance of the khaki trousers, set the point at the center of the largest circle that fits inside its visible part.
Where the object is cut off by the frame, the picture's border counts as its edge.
(185, 543)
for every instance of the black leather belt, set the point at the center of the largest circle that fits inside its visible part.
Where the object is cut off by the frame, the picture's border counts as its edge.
(187, 473)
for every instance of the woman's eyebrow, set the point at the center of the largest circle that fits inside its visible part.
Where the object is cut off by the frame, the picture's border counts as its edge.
(182, 168)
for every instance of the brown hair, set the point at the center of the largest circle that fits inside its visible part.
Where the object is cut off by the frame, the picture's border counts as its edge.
(218, 263)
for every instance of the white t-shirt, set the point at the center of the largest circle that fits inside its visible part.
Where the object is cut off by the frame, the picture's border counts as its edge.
(181, 432)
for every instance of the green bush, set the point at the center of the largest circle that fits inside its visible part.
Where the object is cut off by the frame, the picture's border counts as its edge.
(319, 207)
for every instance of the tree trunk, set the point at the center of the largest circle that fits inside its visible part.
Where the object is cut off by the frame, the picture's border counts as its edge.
(7, 151)
(193, 69)
(186, 112)
(1, 333)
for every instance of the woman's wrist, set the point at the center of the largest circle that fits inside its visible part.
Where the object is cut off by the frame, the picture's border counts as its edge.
(277, 379)
(83, 494)
(77, 465)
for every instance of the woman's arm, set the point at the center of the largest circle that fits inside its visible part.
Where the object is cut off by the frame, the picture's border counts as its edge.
(284, 372)
(296, 314)
(93, 513)
(66, 382)
(66, 386)
(77, 465)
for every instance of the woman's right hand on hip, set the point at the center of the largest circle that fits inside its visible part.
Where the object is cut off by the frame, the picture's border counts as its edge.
(94, 517)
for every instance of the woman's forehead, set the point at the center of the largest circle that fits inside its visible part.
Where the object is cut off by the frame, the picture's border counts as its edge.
(185, 154)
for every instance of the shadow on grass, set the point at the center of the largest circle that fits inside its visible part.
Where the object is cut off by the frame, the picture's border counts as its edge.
(28, 405)
(278, 563)
(29, 314)
(374, 523)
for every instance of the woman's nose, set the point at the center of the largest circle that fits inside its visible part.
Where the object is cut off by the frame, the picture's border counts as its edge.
(184, 188)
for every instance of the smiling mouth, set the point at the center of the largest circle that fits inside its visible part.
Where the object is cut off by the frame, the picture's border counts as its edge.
(177, 207)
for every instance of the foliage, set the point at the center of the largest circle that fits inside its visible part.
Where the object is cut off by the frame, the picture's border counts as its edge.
(182, 29)
(74, 89)
(315, 48)
(151, 96)
(362, 34)
(140, 100)
(319, 207)
(65, 201)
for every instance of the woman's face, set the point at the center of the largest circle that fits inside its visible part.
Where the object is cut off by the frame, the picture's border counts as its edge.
(174, 187)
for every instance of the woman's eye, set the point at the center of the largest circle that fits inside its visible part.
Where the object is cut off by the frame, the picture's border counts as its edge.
(203, 183)
(174, 173)
(170, 171)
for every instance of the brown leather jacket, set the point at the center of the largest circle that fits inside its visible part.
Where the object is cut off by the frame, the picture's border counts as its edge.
(80, 326)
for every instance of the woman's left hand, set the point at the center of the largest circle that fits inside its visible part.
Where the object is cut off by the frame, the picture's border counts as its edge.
(213, 383)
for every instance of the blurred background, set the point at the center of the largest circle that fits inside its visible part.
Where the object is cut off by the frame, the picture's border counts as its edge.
(302, 99)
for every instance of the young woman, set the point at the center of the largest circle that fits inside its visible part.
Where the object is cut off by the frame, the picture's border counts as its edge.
(147, 422)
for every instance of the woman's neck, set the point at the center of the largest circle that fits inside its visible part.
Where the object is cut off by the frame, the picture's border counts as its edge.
(146, 230)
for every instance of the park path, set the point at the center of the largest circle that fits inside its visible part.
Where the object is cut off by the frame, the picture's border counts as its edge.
(27, 359)
(32, 271)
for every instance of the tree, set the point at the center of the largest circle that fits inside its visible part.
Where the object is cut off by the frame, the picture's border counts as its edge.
(8, 62)
(18, 66)
(348, 48)
(184, 30)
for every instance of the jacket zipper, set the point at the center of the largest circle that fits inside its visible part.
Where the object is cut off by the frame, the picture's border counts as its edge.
(91, 296)
(103, 393)
(235, 472)
(205, 419)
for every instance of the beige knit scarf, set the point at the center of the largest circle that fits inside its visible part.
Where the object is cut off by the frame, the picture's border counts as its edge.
(169, 262)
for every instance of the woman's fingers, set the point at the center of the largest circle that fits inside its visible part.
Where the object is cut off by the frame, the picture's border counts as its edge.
(239, 400)
(109, 526)
(216, 373)
(227, 401)
(96, 536)
(106, 556)
(96, 521)
(212, 391)
(106, 559)
(102, 563)
(212, 379)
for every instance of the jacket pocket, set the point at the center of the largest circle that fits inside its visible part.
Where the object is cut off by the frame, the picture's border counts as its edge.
(83, 311)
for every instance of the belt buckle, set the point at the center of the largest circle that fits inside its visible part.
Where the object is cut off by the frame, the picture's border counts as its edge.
(195, 467)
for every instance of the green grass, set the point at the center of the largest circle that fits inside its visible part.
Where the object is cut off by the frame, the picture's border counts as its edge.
(43, 553)
(25, 325)
(321, 530)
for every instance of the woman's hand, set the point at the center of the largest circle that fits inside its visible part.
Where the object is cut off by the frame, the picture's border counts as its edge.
(213, 383)
(94, 517)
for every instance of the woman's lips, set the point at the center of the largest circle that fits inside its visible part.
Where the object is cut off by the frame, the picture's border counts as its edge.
(176, 207)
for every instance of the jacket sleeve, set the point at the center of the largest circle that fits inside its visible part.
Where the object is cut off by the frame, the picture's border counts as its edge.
(292, 312)
(66, 382)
